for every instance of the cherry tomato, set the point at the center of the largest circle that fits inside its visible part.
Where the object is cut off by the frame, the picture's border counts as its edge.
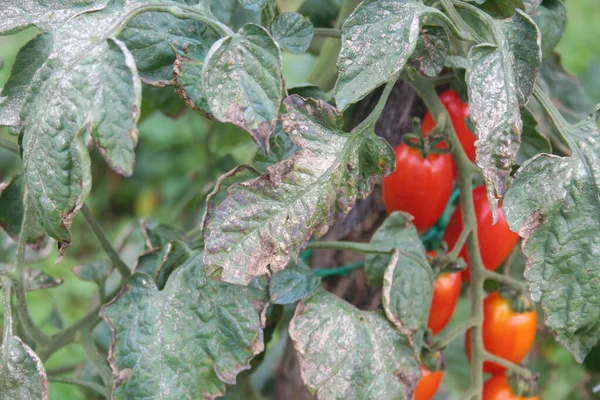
(495, 241)
(446, 290)
(428, 384)
(497, 388)
(458, 111)
(506, 333)
(419, 186)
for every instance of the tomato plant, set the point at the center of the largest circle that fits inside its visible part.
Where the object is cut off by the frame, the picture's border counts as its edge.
(497, 388)
(506, 333)
(459, 112)
(284, 242)
(496, 241)
(419, 186)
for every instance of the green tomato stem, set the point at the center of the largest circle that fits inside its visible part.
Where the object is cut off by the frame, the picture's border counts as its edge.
(444, 338)
(505, 279)
(351, 246)
(328, 32)
(8, 145)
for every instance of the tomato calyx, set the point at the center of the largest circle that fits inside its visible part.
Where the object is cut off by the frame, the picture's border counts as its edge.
(522, 386)
(433, 360)
(442, 263)
(433, 143)
(518, 301)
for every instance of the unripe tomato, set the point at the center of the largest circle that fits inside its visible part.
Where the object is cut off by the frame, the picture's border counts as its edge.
(446, 290)
(495, 241)
(428, 384)
(497, 388)
(419, 186)
(506, 333)
(458, 112)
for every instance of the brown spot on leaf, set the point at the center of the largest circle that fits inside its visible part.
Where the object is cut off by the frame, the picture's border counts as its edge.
(534, 220)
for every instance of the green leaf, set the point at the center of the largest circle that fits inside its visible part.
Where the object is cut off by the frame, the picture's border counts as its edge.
(11, 213)
(263, 222)
(551, 19)
(321, 13)
(232, 13)
(29, 59)
(364, 355)
(187, 340)
(532, 5)
(502, 8)
(500, 79)
(309, 90)
(377, 40)
(396, 232)
(281, 148)
(254, 5)
(293, 32)
(242, 81)
(96, 272)
(187, 79)
(431, 51)
(553, 203)
(296, 282)
(160, 263)
(532, 142)
(407, 290)
(163, 99)
(18, 15)
(22, 374)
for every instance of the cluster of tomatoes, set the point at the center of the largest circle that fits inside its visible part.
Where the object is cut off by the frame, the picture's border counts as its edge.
(422, 185)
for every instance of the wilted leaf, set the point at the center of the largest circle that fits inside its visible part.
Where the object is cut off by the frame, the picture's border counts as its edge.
(532, 142)
(553, 204)
(377, 40)
(11, 212)
(293, 32)
(242, 83)
(431, 51)
(295, 282)
(187, 340)
(187, 78)
(396, 232)
(407, 290)
(22, 374)
(263, 222)
(345, 353)
(500, 78)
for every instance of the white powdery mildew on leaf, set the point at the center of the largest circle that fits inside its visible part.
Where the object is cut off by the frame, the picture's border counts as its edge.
(554, 205)
(186, 341)
(500, 78)
(377, 40)
(264, 221)
(293, 32)
(367, 359)
(22, 374)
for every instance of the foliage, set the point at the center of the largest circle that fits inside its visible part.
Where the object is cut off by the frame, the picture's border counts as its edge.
(200, 299)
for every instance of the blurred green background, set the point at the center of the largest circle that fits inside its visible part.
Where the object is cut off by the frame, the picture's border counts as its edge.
(177, 163)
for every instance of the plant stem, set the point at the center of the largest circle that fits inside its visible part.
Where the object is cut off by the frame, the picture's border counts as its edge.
(459, 22)
(370, 121)
(105, 243)
(556, 117)
(524, 372)
(65, 369)
(71, 381)
(453, 255)
(7, 331)
(443, 340)
(328, 32)
(338, 271)
(8, 145)
(352, 246)
(507, 280)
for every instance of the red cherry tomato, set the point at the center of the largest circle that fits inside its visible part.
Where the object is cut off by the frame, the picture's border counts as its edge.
(419, 186)
(446, 290)
(458, 111)
(428, 384)
(497, 388)
(506, 333)
(495, 241)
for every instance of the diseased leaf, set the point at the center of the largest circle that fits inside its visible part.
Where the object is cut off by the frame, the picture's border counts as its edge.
(232, 13)
(396, 232)
(293, 32)
(254, 5)
(281, 148)
(187, 79)
(377, 40)
(34, 279)
(407, 290)
(96, 272)
(29, 59)
(22, 374)
(159, 263)
(296, 282)
(18, 15)
(551, 19)
(553, 204)
(500, 79)
(532, 142)
(264, 221)
(242, 81)
(431, 51)
(367, 359)
(11, 213)
(187, 340)
(531, 5)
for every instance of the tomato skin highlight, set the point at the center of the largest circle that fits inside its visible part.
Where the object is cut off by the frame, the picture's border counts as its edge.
(506, 333)
(458, 112)
(420, 187)
(428, 384)
(497, 388)
(495, 241)
(446, 291)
